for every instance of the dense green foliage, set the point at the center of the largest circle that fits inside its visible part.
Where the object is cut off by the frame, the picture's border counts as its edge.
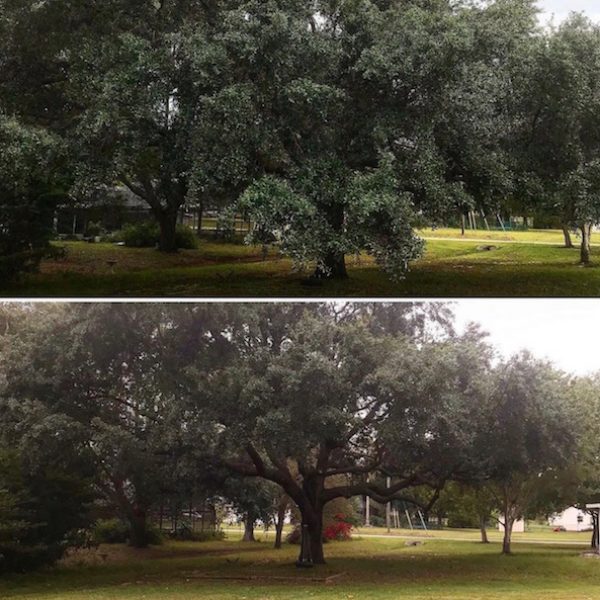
(277, 404)
(28, 195)
(147, 235)
(336, 127)
(45, 485)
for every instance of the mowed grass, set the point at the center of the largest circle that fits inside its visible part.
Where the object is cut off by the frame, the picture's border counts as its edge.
(449, 268)
(547, 236)
(363, 568)
(535, 533)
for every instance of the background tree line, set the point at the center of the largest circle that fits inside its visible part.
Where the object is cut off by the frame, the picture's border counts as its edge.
(273, 407)
(335, 127)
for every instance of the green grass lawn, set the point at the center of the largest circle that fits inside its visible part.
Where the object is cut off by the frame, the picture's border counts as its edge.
(522, 266)
(547, 236)
(534, 533)
(363, 568)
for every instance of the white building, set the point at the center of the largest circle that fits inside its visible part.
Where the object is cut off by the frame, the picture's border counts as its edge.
(518, 526)
(572, 519)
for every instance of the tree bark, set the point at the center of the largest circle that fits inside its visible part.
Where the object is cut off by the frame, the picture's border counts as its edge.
(315, 529)
(594, 544)
(586, 230)
(139, 530)
(485, 221)
(483, 530)
(248, 530)
(473, 221)
(567, 236)
(281, 509)
(312, 525)
(508, 526)
(200, 214)
(167, 222)
(462, 223)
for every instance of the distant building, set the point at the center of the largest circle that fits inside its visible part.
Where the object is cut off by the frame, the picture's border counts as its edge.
(518, 526)
(112, 207)
(572, 519)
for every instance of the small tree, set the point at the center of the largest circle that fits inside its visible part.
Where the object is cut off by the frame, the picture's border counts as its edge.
(252, 500)
(558, 133)
(528, 438)
(468, 504)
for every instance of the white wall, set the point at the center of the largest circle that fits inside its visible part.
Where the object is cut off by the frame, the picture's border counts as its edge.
(518, 526)
(572, 519)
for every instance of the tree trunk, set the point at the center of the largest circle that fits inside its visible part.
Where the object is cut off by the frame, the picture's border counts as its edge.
(279, 523)
(508, 526)
(278, 534)
(462, 223)
(586, 230)
(483, 530)
(473, 221)
(312, 527)
(139, 531)
(315, 529)
(200, 213)
(248, 530)
(485, 221)
(167, 221)
(332, 267)
(595, 525)
(567, 236)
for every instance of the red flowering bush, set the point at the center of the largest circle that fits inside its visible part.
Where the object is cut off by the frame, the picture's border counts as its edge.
(339, 530)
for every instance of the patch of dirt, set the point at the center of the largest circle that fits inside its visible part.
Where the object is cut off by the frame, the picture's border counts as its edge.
(327, 580)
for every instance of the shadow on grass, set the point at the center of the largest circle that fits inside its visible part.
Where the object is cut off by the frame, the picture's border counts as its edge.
(363, 564)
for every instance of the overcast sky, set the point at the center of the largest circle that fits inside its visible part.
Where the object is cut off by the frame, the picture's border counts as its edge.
(565, 331)
(561, 8)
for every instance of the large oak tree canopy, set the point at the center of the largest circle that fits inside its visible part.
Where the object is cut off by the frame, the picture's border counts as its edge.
(334, 126)
(335, 400)
(323, 400)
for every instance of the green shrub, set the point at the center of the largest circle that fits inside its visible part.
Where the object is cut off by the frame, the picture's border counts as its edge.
(186, 238)
(460, 519)
(93, 229)
(147, 235)
(377, 521)
(154, 536)
(18, 558)
(43, 511)
(226, 224)
(116, 531)
(141, 235)
(110, 531)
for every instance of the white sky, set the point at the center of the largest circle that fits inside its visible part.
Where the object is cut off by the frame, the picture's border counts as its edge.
(561, 9)
(565, 331)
